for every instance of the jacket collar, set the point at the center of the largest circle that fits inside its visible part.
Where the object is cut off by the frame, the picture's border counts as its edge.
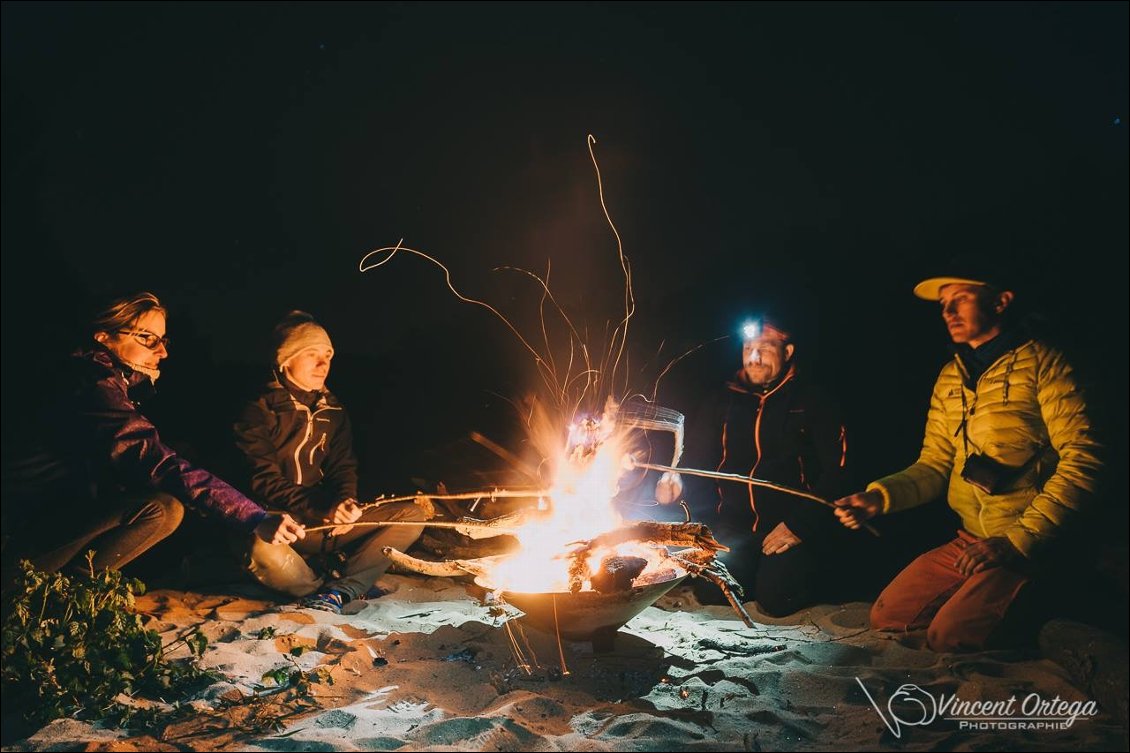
(974, 362)
(138, 385)
(281, 393)
(740, 385)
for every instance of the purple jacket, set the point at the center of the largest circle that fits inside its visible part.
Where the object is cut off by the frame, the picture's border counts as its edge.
(96, 441)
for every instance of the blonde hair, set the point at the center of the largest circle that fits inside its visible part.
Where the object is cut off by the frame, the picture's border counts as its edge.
(122, 313)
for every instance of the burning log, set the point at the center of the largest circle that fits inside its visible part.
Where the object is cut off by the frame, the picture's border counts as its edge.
(617, 573)
(694, 535)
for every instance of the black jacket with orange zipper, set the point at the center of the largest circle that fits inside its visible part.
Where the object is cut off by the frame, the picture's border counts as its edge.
(298, 452)
(788, 432)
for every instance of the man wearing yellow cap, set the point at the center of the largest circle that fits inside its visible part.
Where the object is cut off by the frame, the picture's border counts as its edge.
(298, 444)
(1009, 444)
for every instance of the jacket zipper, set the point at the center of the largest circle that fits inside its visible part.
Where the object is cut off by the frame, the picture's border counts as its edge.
(321, 445)
(305, 439)
(309, 433)
(962, 372)
(757, 442)
(757, 423)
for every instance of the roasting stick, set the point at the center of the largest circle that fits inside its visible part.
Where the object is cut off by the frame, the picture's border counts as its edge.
(746, 480)
(500, 526)
(419, 523)
(492, 494)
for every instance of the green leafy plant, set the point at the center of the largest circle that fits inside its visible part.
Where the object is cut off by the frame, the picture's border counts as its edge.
(297, 679)
(290, 693)
(71, 645)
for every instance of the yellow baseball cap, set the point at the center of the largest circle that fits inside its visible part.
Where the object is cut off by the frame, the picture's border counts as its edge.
(931, 289)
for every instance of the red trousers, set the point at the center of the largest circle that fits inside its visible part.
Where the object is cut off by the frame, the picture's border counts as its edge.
(960, 613)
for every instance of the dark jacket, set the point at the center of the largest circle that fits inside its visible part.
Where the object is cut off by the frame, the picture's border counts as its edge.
(299, 459)
(92, 441)
(789, 432)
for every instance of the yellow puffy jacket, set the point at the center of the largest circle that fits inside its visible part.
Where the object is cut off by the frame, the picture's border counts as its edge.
(1027, 403)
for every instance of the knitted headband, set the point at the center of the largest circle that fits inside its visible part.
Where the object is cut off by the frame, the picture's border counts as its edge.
(295, 334)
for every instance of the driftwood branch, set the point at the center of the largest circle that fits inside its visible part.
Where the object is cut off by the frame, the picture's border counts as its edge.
(704, 564)
(444, 569)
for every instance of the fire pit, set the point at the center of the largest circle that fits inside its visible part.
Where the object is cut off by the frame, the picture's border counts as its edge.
(604, 591)
(587, 615)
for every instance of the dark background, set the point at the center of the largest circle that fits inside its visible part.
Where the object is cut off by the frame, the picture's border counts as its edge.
(239, 160)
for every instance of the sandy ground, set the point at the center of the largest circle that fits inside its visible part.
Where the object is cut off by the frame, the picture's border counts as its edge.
(428, 667)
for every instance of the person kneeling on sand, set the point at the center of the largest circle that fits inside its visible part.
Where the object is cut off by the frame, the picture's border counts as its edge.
(1009, 444)
(769, 421)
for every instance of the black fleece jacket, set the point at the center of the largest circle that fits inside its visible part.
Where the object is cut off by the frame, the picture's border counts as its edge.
(298, 452)
(788, 432)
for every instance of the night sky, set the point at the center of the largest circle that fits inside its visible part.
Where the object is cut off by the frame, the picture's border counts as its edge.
(239, 160)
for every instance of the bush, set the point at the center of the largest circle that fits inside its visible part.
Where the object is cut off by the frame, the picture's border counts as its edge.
(71, 645)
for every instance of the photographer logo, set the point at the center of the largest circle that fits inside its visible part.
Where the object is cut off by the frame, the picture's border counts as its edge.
(911, 706)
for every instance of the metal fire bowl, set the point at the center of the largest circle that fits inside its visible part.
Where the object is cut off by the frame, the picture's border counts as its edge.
(588, 615)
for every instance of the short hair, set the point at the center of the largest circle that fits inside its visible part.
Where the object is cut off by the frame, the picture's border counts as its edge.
(121, 313)
(771, 321)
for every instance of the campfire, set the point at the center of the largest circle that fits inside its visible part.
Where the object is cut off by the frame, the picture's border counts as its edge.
(575, 552)
(580, 570)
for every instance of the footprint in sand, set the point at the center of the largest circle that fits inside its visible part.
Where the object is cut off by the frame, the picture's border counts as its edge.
(851, 617)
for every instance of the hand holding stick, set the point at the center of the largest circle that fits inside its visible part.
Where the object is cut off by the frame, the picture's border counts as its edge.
(744, 480)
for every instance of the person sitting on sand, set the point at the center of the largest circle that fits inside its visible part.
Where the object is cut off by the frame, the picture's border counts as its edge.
(298, 445)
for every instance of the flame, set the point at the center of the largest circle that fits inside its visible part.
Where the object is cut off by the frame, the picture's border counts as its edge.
(587, 464)
(579, 508)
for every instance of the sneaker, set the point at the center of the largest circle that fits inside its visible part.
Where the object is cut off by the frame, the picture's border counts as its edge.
(327, 601)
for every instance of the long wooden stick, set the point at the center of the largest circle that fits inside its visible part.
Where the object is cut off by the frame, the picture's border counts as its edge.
(492, 494)
(424, 523)
(749, 480)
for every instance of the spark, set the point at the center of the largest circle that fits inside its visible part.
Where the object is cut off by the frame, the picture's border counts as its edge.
(392, 251)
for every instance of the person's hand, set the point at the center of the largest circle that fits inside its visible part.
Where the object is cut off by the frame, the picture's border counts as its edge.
(984, 554)
(669, 488)
(856, 509)
(280, 528)
(779, 540)
(342, 514)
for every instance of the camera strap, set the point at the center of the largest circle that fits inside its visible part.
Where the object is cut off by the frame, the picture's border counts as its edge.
(964, 420)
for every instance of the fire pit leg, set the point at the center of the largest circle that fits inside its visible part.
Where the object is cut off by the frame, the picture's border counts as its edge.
(604, 640)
